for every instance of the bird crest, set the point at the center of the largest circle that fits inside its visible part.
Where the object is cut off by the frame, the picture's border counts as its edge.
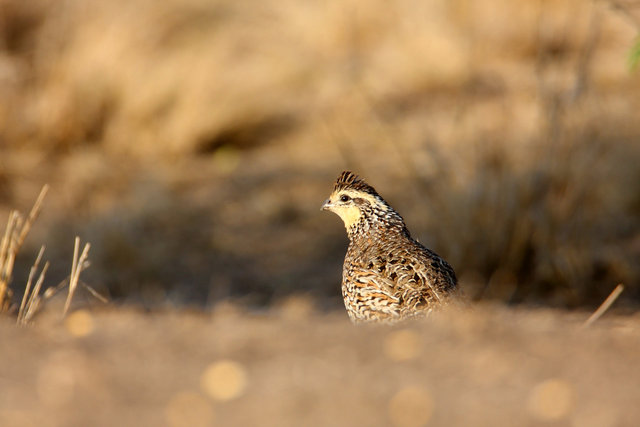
(350, 181)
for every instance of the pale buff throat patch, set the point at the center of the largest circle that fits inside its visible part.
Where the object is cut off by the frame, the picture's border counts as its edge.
(350, 215)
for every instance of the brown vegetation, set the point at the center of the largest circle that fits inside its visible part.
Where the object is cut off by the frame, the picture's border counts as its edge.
(192, 141)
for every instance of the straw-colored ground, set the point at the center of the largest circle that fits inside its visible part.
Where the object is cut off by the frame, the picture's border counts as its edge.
(296, 367)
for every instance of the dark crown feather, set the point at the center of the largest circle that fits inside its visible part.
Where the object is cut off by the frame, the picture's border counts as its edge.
(350, 181)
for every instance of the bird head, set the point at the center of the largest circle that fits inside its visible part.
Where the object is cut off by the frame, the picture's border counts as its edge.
(358, 203)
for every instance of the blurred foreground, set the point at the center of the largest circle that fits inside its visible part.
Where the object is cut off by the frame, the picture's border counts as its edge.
(294, 366)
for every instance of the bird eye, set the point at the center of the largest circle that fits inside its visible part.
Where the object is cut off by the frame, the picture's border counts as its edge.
(344, 198)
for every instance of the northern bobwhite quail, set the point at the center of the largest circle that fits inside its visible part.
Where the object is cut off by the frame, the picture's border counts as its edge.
(387, 275)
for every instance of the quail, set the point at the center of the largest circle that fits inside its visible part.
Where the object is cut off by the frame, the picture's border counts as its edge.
(387, 276)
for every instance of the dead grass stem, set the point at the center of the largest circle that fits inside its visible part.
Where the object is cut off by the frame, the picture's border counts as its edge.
(605, 305)
(15, 233)
(33, 304)
(27, 290)
(77, 266)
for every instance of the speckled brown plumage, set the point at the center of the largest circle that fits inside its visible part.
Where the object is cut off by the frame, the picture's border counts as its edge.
(387, 275)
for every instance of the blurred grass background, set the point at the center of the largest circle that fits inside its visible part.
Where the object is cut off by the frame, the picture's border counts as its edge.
(192, 142)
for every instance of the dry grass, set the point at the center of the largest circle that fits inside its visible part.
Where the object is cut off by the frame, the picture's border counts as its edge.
(14, 235)
(32, 299)
(506, 133)
(79, 264)
(606, 304)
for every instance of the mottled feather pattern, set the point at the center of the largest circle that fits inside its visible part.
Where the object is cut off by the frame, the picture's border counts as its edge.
(387, 275)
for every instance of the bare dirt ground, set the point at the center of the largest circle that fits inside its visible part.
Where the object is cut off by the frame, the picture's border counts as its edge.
(294, 366)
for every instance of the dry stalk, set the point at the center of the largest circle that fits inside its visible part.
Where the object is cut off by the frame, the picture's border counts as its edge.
(35, 211)
(95, 293)
(14, 235)
(27, 290)
(605, 305)
(6, 261)
(78, 264)
(34, 300)
(6, 239)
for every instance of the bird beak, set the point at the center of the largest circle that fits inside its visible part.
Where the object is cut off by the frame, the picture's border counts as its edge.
(326, 205)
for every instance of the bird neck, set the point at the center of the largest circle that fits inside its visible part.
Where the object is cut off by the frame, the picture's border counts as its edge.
(374, 227)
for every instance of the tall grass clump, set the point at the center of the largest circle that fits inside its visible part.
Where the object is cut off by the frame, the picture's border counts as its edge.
(557, 225)
(15, 233)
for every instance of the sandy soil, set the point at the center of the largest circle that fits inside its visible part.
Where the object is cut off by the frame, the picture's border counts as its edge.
(295, 366)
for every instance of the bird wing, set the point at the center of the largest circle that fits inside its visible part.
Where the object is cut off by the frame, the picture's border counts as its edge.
(400, 280)
(419, 277)
(369, 289)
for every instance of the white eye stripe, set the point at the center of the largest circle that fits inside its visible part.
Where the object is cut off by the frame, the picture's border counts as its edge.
(373, 201)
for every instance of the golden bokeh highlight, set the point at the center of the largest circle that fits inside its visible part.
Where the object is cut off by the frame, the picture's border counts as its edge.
(224, 380)
(402, 345)
(79, 323)
(411, 407)
(551, 400)
(189, 409)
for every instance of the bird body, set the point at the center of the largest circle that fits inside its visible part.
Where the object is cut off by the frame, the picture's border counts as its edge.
(387, 275)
